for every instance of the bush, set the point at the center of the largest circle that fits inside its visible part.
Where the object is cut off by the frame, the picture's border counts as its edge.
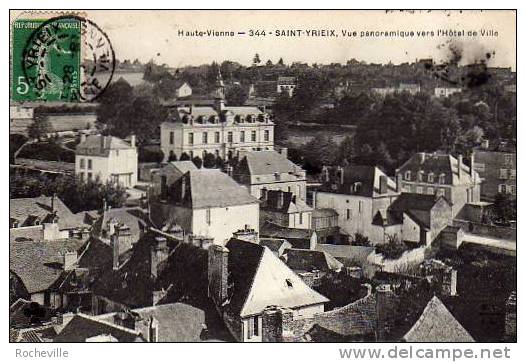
(360, 240)
(393, 249)
(149, 155)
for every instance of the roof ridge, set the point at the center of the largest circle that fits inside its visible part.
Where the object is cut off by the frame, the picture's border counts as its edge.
(110, 324)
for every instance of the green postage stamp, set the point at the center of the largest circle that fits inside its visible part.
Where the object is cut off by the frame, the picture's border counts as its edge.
(58, 59)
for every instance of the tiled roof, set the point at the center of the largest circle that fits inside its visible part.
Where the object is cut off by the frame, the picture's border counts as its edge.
(82, 327)
(266, 163)
(299, 238)
(39, 264)
(177, 322)
(309, 260)
(358, 180)
(210, 188)
(260, 279)
(437, 324)
(290, 203)
(40, 207)
(410, 201)
(93, 145)
(437, 164)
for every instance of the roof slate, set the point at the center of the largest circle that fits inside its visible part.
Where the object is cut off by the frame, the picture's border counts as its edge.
(22, 209)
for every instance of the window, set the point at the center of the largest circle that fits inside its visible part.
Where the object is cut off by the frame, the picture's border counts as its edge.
(242, 136)
(430, 191)
(208, 216)
(503, 174)
(89, 176)
(442, 179)
(407, 175)
(217, 153)
(441, 192)
(508, 159)
(205, 137)
(256, 326)
(420, 176)
(81, 177)
(191, 155)
(419, 190)
(512, 189)
(301, 218)
(431, 178)
(82, 163)
(502, 188)
(348, 214)
(191, 138)
(360, 206)
(253, 136)
(171, 138)
(217, 137)
(90, 164)
(267, 135)
(253, 327)
(513, 174)
(230, 137)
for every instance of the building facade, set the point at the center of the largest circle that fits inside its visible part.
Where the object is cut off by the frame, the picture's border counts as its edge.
(107, 158)
(270, 170)
(497, 166)
(219, 129)
(284, 209)
(441, 175)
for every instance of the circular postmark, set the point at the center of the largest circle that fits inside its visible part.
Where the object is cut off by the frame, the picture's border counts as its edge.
(68, 58)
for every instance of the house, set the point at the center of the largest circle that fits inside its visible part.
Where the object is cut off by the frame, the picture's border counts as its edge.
(446, 91)
(437, 324)
(206, 203)
(182, 89)
(245, 278)
(173, 322)
(422, 217)
(43, 266)
(497, 166)
(411, 88)
(86, 328)
(298, 238)
(270, 170)
(107, 158)
(285, 209)
(171, 172)
(221, 130)
(41, 218)
(286, 85)
(441, 175)
(325, 223)
(357, 194)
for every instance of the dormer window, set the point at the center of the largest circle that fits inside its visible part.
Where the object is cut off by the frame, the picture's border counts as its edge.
(357, 187)
(420, 176)
(442, 179)
(407, 176)
(431, 178)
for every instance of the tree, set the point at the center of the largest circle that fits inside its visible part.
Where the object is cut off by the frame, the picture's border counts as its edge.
(39, 128)
(346, 150)
(393, 249)
(280, 61)
(198, 162)
(184, 157)
(219, 162)
(172, 157)
(360, 240)
(269, 63)
(504, 208)
(236, 95)
(256, 59)
(209, 160)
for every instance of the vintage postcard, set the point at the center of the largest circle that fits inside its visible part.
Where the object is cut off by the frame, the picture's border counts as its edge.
(263, 176)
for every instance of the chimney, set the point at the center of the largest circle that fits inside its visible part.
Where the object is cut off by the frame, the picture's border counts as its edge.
(218, 274)
(459, 165)
(124, 319)
(102, 141)
(485, 144)
(341, 174)
(421, 157)
(111, 226)
(53, 200)
(183, 188)
(104, 204)
(383, 184)
(115, 250)
(283, 151)
(159, 253)
(82, 137)
(264, 193)
(70, 258)
(325, 172)
(123, 233)
(164, 188)
(276, 324)
(132, 140)
(472, 166)
(399, 182)
(280, 200)
(449, 282)
(385, 311)
(247, 234)
(230, 170)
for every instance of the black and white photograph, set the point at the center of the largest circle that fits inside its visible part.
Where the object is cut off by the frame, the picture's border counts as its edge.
(333, 176)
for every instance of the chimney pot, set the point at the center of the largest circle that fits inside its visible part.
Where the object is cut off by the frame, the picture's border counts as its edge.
(132, 140)
(459, 166)
(82, 137)
(115, 249)
(422, 157)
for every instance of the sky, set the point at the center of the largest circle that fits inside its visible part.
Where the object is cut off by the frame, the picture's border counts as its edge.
(153, 35)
